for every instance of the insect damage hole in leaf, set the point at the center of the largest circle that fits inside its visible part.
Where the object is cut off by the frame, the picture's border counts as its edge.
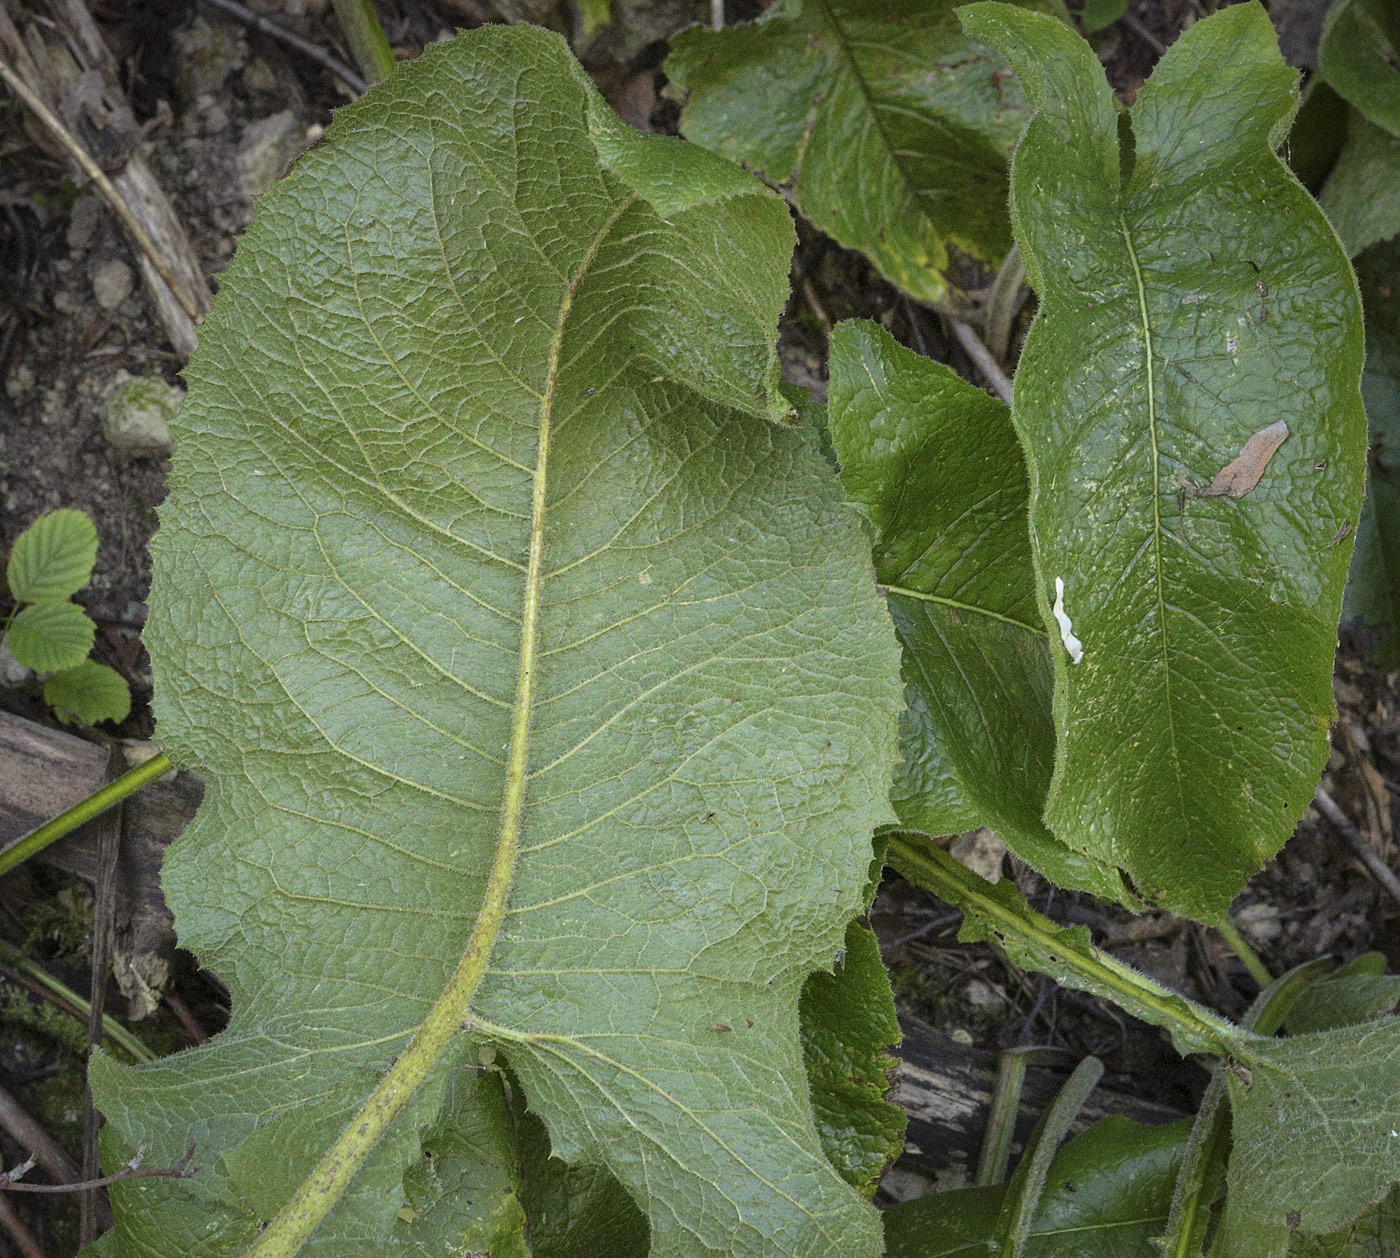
(462, 765)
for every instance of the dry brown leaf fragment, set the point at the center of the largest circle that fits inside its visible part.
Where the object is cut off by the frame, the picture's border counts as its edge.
(1242, 473)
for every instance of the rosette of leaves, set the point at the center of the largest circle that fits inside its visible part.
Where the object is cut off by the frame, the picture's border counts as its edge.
(46, 631)
(544, 701)
(887, 126)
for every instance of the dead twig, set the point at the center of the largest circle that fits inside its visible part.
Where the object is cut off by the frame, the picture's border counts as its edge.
(9, 1180)
(1135, 24)
(53, 124)
(982, 356)
(266, 26)
(25, 1240)
(1382, 872)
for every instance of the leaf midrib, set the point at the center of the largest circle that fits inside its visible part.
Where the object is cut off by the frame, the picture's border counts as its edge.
(905, 592)
(327, 1183)
(1148, 353)
(849, 57)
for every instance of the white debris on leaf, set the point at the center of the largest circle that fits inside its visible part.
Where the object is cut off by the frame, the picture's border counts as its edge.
(1072, 644)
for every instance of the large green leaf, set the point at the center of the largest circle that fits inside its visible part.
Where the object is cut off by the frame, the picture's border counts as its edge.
(544, 699)
(848, 1024)
(890, 127)
(1315, 1129)
(1360, 57)
(1193, 299)
(1106, 1196)
(935, 464)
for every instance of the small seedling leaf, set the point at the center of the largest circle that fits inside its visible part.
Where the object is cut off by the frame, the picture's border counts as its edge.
(51, 636)
(52, 559)
(89, 693)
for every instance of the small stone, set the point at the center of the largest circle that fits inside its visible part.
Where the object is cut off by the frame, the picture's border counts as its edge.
(982, 995)
(268, 147)
(112, 281)
(980, 851)
(82, 222)
(258, 77)
(136, 418)
(206, 54)
(960, 1035)
(12, 672)
(1260, 922)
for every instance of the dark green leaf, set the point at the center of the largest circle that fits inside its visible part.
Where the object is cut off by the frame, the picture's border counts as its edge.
(1362, 194)
(1356, 992)
(848, 1025)
(935, 464)
(1106, 1197)
(52, 559)
(51, 636)
(1100, 13)
(479, 503)
(1193, 298)
(888, 124)
(1360, 57)
(1373, 590)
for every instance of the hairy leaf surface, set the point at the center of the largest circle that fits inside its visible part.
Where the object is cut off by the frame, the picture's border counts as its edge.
(544, 699)
(935, 463)
(890, 126)
(1192, 296)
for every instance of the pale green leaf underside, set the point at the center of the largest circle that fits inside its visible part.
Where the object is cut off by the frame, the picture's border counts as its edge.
(889, 125)
(53, 558)
(337, 610)
(1184, 308)
(935, 463)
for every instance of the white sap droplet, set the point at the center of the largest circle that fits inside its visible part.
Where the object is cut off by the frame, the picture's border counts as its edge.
(1072, 644)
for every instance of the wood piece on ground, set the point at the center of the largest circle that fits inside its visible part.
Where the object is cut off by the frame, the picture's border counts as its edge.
(946, 1089)
(1382, 872)
(45, 773)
